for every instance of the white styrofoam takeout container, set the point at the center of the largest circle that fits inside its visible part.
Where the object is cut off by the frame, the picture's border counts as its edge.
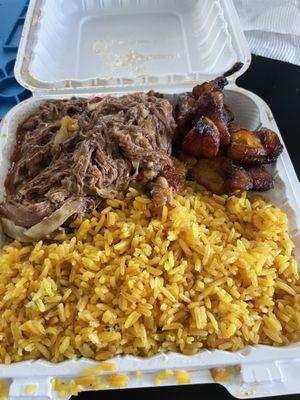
(88, 47)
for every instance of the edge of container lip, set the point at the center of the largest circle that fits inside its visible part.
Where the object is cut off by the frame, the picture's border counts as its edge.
(128, 364)
(22, 45)
(69, 85)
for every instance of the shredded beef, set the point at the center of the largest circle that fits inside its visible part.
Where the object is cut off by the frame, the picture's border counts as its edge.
(87, 150)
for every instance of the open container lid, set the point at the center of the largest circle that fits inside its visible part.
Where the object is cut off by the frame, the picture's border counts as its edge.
(126, 45)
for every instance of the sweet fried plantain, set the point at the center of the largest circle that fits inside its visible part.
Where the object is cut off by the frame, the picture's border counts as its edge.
(271, 143)
(259, 147)
(203, 140)
(220, 175)
(245, 147)
(211, 105)
(205, 100)
(184, 115)
(261, 178)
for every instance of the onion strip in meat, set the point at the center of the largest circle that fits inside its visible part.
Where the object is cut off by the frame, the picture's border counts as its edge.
(54, 221)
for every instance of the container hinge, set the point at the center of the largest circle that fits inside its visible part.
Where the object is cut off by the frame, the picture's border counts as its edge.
(262, 372)
(30, 388)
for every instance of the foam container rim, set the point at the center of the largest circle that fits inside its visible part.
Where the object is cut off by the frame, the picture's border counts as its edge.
(265, 370)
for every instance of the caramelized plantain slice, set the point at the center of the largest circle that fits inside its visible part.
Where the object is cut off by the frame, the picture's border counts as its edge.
(203, 140)
(220, 175)
(245, 147)
(211, 105)
(184, 115)
(208, 173)
(259, 147)
(261, 178)
(271, 143)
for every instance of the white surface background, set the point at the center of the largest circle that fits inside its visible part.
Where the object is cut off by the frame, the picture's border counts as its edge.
(272, 27)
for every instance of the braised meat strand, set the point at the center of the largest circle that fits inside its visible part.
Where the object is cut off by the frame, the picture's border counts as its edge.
(81, 151)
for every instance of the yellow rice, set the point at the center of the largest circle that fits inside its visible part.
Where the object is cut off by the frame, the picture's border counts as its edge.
(163, 376)
(77, 385)
(91, 379)
(182, 376)
(138, 374)
(211, 272)
(4, 389)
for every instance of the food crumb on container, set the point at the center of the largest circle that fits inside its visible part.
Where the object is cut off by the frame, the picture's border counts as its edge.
(236, 369)
(138, 374)
(77, 385)
(31, 388)
(182, 377)
(163, 376)
(220, 374)
(89, 380)
(62, 394)
(99, 369)
(117, 380)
